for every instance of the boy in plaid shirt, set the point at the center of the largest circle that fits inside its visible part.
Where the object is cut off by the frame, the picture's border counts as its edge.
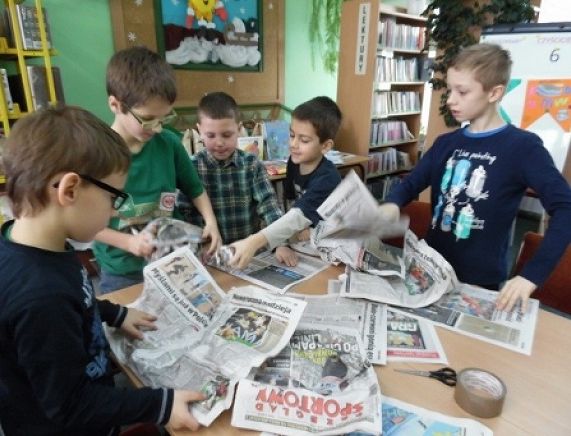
(236, 182)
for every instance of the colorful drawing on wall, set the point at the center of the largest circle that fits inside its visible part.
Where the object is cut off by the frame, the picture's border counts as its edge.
(551, 97)
(211, 34)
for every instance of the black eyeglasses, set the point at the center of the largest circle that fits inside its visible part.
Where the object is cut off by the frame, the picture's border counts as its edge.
(153, 124)
(118, 198)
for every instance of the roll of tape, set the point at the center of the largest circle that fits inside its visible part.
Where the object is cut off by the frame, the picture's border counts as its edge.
(480, 392)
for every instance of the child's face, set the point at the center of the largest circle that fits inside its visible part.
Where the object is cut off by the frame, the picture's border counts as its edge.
(220, 137)
(467, 100)
(304, 145)
(95, 207)
(128, 124)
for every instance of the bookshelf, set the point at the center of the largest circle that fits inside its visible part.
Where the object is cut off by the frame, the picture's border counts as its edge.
(17, 54)
(380, 88)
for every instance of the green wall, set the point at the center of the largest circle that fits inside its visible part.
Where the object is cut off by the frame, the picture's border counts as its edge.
(302, 80)
(81, 33)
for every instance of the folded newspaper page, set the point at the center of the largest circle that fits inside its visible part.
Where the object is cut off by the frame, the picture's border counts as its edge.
(206, 340)
(403, 419)
(427, 277)
(369, 318)
(412, 340)
(266, 271)
(471, 310)
(321, 384)
(352, 209)
(352, 227)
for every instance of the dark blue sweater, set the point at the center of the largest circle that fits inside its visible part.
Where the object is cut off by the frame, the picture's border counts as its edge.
(310, 190)
(477, 183)
(55, 375)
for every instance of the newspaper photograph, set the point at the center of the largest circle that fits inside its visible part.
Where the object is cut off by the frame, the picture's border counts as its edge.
(412, 340)
(471, 310)
(369, 318)
(266, 271)
(321, 384)
(205, 340)
(404, 419)
(427, 277)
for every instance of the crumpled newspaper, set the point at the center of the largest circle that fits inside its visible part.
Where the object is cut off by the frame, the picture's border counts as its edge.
(168, 234)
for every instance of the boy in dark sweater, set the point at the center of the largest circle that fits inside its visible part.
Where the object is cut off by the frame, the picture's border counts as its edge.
(309, 181)
(478, 176)
(65, 169)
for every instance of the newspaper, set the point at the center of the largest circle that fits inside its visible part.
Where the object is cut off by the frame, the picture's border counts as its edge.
(320, 384)
(266, 271)
(351, 228)
(206, 340)
(368, 318)
(404, 419)
(471, 310)
(427, 277)
(351, 209)
(413, 340)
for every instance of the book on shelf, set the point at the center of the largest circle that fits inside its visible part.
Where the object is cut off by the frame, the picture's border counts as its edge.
(30, 27)
(252, 144)
(7, 93)
(39, 86)
(276, 133)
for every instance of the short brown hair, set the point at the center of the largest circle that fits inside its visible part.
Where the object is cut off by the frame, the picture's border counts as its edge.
(54, 140)
(218, 105)
(490, 64)
(323, 114)
(135, 75)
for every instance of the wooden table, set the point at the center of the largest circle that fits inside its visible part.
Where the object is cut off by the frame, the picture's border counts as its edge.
(538, 401)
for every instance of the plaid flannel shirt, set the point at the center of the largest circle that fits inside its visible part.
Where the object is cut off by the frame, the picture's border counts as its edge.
(240, 192)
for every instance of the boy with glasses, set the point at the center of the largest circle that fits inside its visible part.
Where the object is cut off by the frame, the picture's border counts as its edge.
(141, 89)
(55, 372)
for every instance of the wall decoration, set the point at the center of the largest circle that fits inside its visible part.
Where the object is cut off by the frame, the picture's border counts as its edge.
(210, 34)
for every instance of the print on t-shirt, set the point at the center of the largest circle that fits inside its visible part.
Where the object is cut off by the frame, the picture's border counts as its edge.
(462, 186)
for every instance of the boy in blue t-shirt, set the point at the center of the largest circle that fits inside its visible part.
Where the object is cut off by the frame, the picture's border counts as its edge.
(65, 170)
(478, 176)
(309, 181)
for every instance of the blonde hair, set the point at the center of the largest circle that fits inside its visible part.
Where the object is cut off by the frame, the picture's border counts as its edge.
(490, 64)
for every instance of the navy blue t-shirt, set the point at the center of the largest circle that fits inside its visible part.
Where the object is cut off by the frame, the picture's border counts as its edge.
(310, 190)
(477, 183)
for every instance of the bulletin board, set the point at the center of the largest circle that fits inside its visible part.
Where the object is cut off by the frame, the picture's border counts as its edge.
(134, 23)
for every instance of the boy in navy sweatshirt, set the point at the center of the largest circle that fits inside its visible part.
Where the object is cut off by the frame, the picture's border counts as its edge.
(64, 170)
(478, 176)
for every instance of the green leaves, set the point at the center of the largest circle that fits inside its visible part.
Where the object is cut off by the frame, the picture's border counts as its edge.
(453, 25)
(324, 25)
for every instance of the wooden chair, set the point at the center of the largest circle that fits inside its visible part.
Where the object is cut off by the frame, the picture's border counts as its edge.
(420, 214)
(555, 291)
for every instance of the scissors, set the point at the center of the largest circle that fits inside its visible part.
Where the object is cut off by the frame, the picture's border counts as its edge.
(444, 375)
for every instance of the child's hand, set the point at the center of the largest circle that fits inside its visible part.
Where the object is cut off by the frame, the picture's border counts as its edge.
(286, 255)
(515, 289)
(141, 244)
(304, 235)
(389, 212)
(136, 322)
(211, 232)
(181, 417)
(245, 249)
